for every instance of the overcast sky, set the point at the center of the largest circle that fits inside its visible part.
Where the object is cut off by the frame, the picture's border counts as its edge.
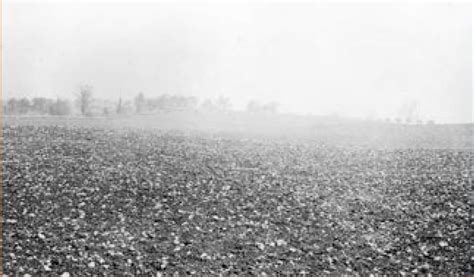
(349, 59)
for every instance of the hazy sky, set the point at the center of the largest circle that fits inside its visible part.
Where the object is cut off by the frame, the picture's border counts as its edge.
(350, 59)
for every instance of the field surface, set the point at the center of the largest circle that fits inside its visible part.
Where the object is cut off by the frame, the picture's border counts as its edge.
(102, 200)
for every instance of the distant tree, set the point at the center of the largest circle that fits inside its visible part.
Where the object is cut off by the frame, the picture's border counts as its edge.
(127, 106)
(23, 106)
(165, 102)
(223, 103)
(409, 111)
(208, 105)
(431, 122)
(38, 105)
(160, 103)
(398, 120)
(60, 107)
(151, 104)
(84, 99)
(255, 107)
(140, 102)
(271, 107)
(119, 109)
(178, 102)
(191, 103)
(252, 106)
(11, 106)
(41, 105)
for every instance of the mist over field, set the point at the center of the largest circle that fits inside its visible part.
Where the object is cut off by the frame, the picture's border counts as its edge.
(354, 60)
(237, 138)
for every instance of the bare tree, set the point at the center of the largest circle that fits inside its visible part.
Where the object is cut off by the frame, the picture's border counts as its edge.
(84, 99)
(140, 102)
(119, 109)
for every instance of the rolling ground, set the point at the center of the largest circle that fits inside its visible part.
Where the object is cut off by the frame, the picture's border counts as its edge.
(86, 197)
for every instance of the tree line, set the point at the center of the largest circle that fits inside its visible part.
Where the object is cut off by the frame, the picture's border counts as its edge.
(85, 103)
(37, 105)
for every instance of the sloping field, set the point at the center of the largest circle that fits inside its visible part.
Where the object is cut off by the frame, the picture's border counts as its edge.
(103, 200)
(338, 132)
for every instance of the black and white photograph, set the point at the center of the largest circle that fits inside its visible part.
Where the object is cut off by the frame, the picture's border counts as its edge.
(158, 138)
